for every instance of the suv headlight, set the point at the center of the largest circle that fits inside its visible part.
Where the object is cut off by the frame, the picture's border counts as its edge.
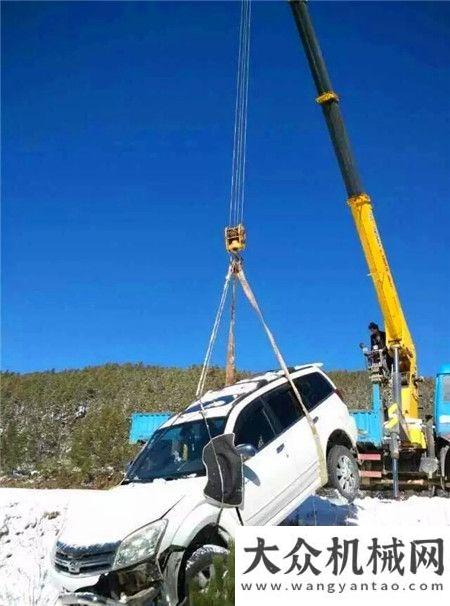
(140, 545)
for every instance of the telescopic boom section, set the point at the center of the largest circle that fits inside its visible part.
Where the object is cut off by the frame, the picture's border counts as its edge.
(397, 330)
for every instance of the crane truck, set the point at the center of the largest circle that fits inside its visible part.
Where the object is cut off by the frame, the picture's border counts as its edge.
(397, 444)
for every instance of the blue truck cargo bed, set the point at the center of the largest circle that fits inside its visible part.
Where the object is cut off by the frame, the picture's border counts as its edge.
(370, 422)
(144, 424)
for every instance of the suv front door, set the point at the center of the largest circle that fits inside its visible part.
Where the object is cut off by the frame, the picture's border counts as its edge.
(298, 439)
(269, 474)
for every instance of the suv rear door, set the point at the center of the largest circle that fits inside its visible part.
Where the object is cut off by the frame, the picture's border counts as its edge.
(297, 437)
(322, 402)
(269, 475)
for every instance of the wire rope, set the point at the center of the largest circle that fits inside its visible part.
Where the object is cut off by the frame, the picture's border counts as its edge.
(236, 211)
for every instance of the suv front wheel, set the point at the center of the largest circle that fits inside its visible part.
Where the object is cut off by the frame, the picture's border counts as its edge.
(343, 473)
(200, 569)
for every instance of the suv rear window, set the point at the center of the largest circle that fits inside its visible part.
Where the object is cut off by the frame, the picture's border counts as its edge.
(313, 388)
(284, 406)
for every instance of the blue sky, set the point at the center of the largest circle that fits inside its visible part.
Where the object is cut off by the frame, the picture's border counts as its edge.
(117, 125)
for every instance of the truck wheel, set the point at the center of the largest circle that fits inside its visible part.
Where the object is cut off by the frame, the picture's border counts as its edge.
(200, 567)
(343, 473)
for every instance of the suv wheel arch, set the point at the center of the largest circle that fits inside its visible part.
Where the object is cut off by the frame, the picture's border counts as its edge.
(340, 438)
(209, 535)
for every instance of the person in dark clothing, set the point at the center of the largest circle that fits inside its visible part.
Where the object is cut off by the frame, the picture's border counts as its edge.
(378, 339)
(377, 336)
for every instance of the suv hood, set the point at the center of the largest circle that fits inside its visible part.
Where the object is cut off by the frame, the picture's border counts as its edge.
(101, 517)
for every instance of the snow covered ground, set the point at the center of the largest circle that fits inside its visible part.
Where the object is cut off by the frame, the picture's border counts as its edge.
(30, 520)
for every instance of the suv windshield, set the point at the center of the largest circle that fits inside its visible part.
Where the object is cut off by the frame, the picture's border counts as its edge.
(175, 451)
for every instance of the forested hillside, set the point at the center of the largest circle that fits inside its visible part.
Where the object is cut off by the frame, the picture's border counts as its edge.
(71, 427)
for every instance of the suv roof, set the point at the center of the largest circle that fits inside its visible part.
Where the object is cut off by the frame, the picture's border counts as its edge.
(219, 402)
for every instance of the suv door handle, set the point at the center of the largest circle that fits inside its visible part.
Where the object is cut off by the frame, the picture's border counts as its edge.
(280, 447)
(315, 420)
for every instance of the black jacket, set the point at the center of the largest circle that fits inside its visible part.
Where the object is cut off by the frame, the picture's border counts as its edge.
(378, 339)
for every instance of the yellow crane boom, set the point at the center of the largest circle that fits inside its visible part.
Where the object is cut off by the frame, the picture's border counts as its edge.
(404, 405)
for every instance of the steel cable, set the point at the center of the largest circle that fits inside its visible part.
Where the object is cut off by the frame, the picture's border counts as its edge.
(240, 123)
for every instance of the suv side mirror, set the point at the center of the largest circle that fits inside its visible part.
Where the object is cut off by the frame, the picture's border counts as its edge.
(224, 470)
(247, 451)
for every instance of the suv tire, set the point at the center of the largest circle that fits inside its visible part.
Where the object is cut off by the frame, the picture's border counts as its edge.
(200, 567)
(343, 472)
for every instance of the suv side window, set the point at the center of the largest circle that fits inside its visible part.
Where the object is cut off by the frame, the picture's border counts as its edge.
(253, 426)
(313, 388)
(284, 406)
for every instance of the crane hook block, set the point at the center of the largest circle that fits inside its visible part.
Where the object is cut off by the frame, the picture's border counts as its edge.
(235, 239)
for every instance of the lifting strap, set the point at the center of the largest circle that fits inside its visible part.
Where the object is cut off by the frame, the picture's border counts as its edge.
(206, 364)
(236, 271)
(213, 337)
(230, 371)
(253, 302)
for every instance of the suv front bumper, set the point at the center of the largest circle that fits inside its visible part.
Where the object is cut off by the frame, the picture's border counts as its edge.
(87, 591)
(134, 586)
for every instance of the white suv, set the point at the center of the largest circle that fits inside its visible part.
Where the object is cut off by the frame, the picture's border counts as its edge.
(152, 534)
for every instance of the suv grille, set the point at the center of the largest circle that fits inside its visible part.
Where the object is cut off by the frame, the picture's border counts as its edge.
(84, 560)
